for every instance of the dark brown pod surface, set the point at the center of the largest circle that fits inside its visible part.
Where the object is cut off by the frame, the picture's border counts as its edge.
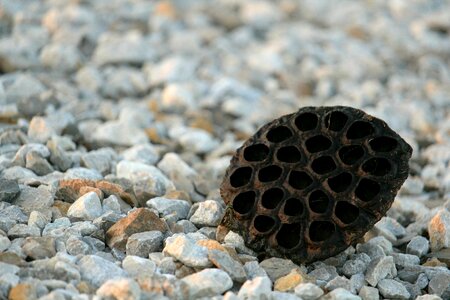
(309, 184)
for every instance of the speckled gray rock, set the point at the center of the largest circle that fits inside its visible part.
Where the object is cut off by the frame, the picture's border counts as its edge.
(38, 164)
(87, 207)
(402, 260)
(340, 294)
(23, 230)
(369, 293)
(30, 199)
(144, 153)
(115, 133)
(379, 269)
(39, 219)
(4, 243)
(82, 173)
(76, 246)
(207, 283)
(123, 288)
(223, 261)
(97, 270)
(138, 267)
(354, 266)
(308, 291)
(338, 282)
(390, 288)
(183, 248)
(255, 288)
(100, 160)
(277, 267)
(143, 243)
(418, 246)
(440, 284)
(253, 270)
(166, 206)
(208, 213)
(9, 189)
(39, 247)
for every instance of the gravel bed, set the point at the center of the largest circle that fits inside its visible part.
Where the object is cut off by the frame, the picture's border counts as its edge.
(118, 119)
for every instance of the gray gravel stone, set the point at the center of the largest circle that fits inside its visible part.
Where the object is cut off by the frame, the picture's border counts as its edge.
(369, 293)
(23, 230)
(38, 164)
(183, 248)
(308, 291)
(97, 270)
(340, 294)
(255, 288)
(166, 206)
(39, 247)
(138, 267)
(7, 281)
(439, 230)
(277, 267)
(30, 199)
(9, 189)
(116, 133)
(82, 173)
(143, 243)
(390, 288)
(418, 246)
(223, 261)
(39, 219)
(402, 260)
(338, 282)
(76, 246)
(100, 160)
(4, 243)
(379, 269)
(145, 153)
(253, 270)
(208, 213)
(354, 266)
(207, 283)
(440, 284)
(87, 207)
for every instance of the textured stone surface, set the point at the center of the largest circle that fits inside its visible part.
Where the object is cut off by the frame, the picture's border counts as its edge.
(439, 230)
(9, 189)
(308, 291)
(223, 261)
(184, 249)
(87, 207)
(119, 289)
(390, 288)
(97, 270)
(139, 220)
(143, 243)
(208, 283)
(379, 269)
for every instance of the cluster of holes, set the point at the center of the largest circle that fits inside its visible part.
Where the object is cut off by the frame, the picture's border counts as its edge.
(318, 201)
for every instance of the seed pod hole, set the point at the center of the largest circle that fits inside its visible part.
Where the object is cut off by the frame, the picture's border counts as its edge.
(323, 165)
(318, 201)
(351, 154)
(257, 152)
(306, 121)
(272, 197)
(263, 223)
(347, 213)
(299, 180)
(240, 177)
(340, 183)
(269, 173)
(279, 134)
(367, 190)
(244, 202)
(335, 121)
(377, 166)
(289, 154)
(383, 144)
(289, 235)
(320, 231)
(318, 143)
(293, 207)
(359, 129)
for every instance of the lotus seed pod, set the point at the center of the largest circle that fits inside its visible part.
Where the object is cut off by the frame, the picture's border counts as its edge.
(309, 184)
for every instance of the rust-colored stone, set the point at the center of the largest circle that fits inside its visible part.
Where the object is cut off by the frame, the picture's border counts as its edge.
(23, 291)
(109, 188)
(69, 189)
(139, 220)
(307, 185)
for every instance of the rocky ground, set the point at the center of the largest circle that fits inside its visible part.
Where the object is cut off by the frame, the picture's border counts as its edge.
(118, 119)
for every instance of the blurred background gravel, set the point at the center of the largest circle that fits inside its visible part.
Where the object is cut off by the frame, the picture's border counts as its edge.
(110, 104)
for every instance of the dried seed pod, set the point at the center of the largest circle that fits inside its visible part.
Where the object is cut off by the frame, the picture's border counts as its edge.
(309, 184)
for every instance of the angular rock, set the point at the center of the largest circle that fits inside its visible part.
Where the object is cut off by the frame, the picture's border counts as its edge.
(23, 230)
(439, 230)
(308, 291)
(208, 213)
(290, 281)
(87, 207)
(9, 189)
(369, 293)
(277, 267)
(139, 220)
(340, 294)
(338, 282)
(38, 164)
(402, 260)
(39, 247)
(144, 153)
(390, 288)
(255, 288)
(184, 248)
(123, 288)
(115, 133)
(167, 206)
(440, 285)
(138, 267)
(97, 270)
(379, 269)
(253, 270)
(143, 243)
(223, 261)
(418, 246)
(208, 283)
(30, 199)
